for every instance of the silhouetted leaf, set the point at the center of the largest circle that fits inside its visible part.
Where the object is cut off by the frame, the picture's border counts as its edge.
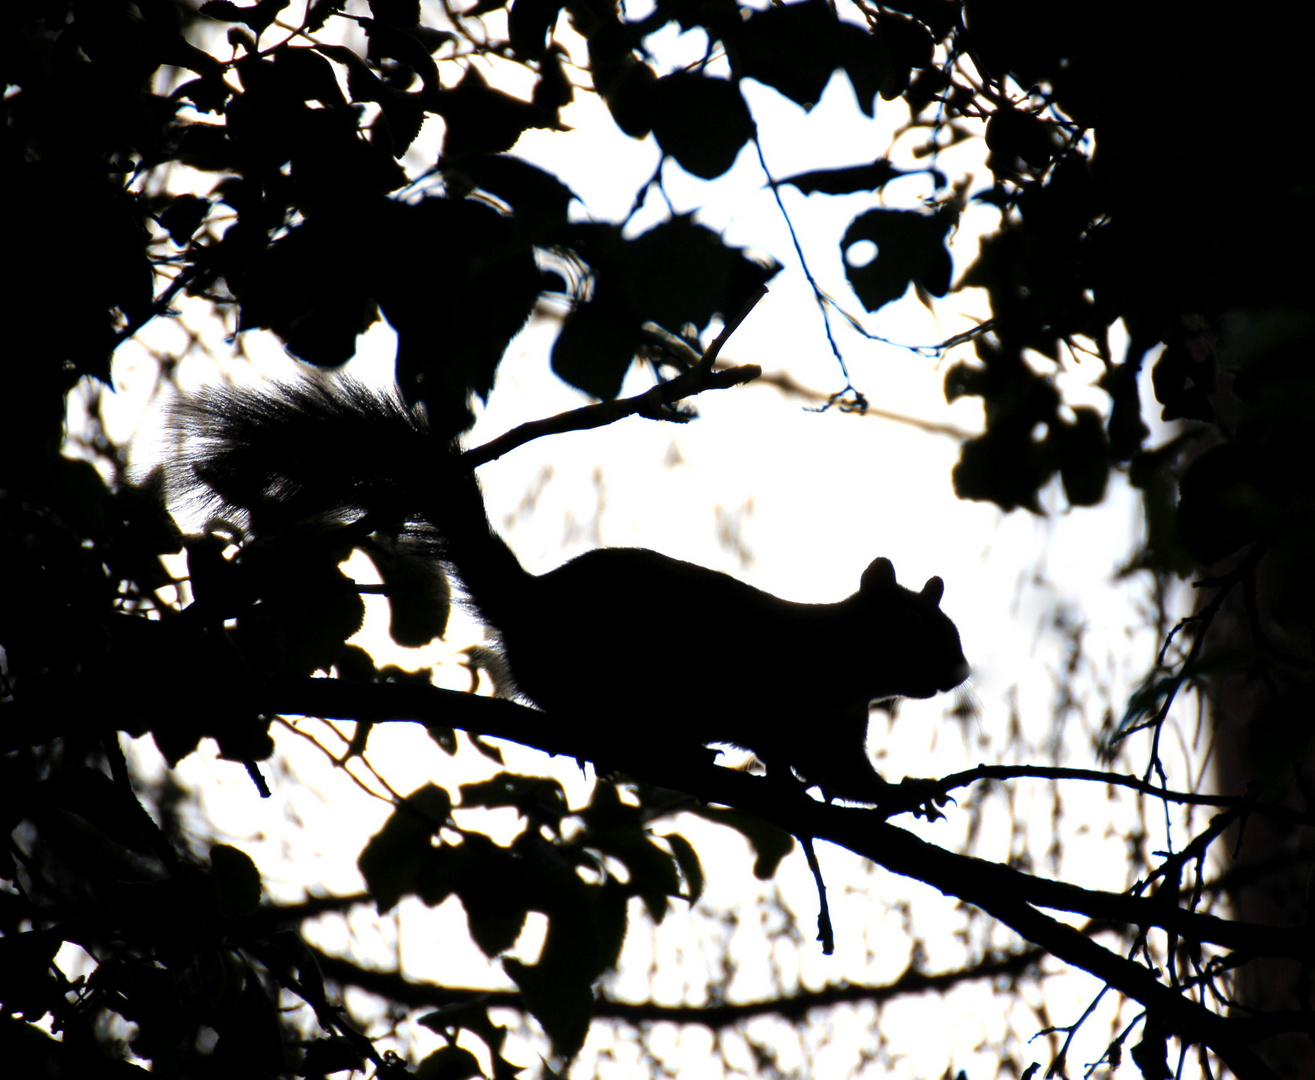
(208, 93)
(529, 23)
(563, 1006)
(596, 344)
(392, 861)
(700, 121)
(910, 42)
(479, 119)
(390, 42)
(793, 48)
(477, 297)
(629, 94)
(1083, 453)
(497, 889)
(682, 272)
(584, 938)
(530, 191)
(910, 250)
(494, 927)
(250, 1040)
(313, 288)
(1151, 1052)
(1127, 430)
(964, 380)
(309, 76)
(183, 216)
(1224, 502)
(402, 112)
(1012, 133)
(846, 180)
(536, 797)
(331, 1054)
(676, 273)
(27, 985)
(93, 796)
(235, 879)
(553, 90)
(691, 869)
(449, 1063)
(1005, 466)
(770, 844)
(1184, 383)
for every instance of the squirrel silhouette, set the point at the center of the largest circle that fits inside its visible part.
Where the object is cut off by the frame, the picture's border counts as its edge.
(635, 648)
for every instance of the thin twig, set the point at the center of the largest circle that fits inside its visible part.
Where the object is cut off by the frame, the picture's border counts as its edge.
(732, 324)
(825, 934)
(651, 403)
(1135, 783)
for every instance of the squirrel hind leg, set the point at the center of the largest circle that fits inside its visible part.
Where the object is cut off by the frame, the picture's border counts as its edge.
(832, 756)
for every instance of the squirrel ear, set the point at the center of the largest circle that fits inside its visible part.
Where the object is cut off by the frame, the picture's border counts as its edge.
(879, 576)
(934, 590)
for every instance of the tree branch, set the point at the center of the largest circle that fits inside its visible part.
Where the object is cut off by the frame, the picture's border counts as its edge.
(1005, 893)
(847, 826)
(651, 403)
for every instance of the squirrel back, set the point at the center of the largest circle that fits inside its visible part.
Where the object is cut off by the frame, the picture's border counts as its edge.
(625, 643)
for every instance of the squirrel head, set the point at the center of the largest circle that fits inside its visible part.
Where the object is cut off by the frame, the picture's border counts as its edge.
(919, 642)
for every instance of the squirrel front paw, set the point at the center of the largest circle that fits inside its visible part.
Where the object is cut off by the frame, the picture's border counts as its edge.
(921, 797)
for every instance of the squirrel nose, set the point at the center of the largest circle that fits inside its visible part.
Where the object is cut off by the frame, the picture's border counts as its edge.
(958, 674)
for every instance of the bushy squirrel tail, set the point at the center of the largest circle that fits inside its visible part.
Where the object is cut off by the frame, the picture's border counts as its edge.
(278, 456)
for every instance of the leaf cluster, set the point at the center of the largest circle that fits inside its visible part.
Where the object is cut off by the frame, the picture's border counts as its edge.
(581, 882)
